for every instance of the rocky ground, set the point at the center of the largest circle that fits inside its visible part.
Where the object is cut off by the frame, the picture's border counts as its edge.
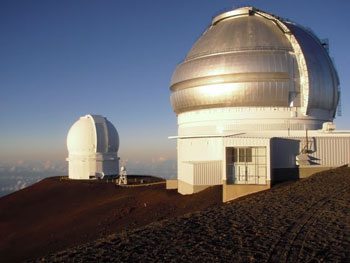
(305, 221)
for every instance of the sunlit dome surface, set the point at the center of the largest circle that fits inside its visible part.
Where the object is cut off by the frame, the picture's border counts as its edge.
(249, 58)
(92, 134)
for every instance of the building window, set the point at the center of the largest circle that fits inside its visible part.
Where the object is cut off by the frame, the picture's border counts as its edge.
(241, 152)
(241, 155)
(248, 155)
(234, 155)
(246, 165)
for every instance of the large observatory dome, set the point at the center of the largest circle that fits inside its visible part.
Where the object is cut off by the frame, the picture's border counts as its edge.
(93, 144)
(249, 59)
(92, 134)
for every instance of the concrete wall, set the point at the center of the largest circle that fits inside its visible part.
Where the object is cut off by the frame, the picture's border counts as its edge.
(171, 184)
(305, 172)
(234, 191)
(187, 189)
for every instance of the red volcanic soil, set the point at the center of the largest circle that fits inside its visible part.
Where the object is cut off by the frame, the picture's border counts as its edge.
(56, 214)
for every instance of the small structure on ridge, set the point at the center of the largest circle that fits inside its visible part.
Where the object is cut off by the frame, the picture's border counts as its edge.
(123, 179)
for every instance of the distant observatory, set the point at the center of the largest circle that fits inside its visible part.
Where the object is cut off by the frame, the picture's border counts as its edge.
(93, 144)
(255, 100)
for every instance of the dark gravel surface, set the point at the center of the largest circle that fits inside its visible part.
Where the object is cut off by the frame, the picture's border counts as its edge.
(305, 221)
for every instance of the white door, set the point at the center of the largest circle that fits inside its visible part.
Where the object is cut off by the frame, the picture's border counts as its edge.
(246, 165)
(240, 173)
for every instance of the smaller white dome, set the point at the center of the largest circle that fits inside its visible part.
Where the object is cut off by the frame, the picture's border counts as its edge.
(92, 134)
(93, 144)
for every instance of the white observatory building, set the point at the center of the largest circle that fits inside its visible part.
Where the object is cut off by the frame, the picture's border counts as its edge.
(255, 100)
(93, 144)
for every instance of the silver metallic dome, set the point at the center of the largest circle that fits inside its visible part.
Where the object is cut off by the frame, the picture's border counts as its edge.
(249, 58)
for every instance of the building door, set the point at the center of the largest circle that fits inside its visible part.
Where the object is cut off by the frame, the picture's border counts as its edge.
(246, 165)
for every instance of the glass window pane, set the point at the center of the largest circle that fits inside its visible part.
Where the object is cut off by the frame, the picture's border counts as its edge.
(249, 155)
(241, 156)
(231, 155)
(234, 155)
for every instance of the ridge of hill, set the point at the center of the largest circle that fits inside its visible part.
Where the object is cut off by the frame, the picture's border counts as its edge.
(56, 214)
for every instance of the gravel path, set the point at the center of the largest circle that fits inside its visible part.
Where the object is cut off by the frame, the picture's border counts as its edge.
(306, 221)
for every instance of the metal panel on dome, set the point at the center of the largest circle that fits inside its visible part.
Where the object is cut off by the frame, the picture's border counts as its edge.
(262, 58)
(235, 62)
(240, 33)
(323, 81)
(238, 61)
(263, 78)
(232, 94)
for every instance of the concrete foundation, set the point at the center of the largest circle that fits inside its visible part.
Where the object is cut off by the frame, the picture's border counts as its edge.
(289, 174)
(187, 189)
(234, 191)
(171, 184)
(310, 170)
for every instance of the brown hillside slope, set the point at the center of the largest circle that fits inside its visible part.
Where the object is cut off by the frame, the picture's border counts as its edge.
(53, 214)
(306, 221)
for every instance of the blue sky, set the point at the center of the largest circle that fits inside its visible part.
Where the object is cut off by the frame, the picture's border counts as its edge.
(63, 59)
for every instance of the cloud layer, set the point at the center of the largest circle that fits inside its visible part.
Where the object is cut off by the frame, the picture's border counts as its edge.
(19, 174)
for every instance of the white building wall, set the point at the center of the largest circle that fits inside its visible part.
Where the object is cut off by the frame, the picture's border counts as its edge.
(332, 151)
(247, 119)
(80, 168)
(326, 150)
(205, 134)
(198, 158)
(202, 161)
(207, 173)
(95, 165)
(200, 149)
(185, 172)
